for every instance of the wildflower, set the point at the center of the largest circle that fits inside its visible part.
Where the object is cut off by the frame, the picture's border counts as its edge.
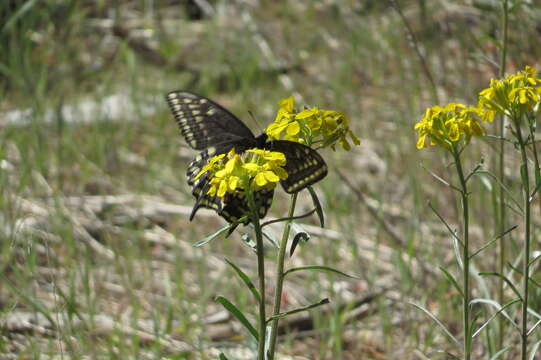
(513, 95)
(253, 170)
(311, 126)
(446, 125)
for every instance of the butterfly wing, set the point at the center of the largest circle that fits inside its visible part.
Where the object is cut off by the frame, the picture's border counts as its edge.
(304, 165)
(232, 206)
(203, 123)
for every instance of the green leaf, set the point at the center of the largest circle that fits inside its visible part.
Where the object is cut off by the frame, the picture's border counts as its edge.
(501, 352)
(451, 231)
(215, 235)
(504, 278)
(222, 357)
(534, 350)
(246, 280)
(317, 204)
(33, 303)
(318, 267)
(500, 184)
(238, 314)
(439, 323)
(501, 310)
(452, 280)
(296, 239)
(493, 240)
(533, 327)
(440, 179)
(269, 236)
(18, 14)
(304, 308)
(300, 234)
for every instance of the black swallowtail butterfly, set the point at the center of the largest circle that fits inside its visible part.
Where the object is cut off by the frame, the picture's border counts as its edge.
(209, 127)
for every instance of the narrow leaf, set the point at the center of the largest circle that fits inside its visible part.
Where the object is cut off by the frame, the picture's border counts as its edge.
(500, 311)
(246, 279)
(533, 328)
(301, 236)
(504, 278)
(270, 237)
(501, 352)
(534, 350)
(34, 304)
(238, 314)
(453, 281)
(505, 189)
(304, 308)
(319, 267)
(222, 357)
(317, 204)
(440, 179)
(451, 231)
(493, 240)
(214, 236)
(439, 323)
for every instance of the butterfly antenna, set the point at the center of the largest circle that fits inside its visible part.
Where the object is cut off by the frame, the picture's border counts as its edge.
(260, 128)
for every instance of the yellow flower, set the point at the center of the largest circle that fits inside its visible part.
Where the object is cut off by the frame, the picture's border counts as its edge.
(311, 126)
(252, 170)
(446, 125)
(513, 95)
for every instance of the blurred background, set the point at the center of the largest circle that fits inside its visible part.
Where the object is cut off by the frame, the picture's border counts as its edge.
(96, 257)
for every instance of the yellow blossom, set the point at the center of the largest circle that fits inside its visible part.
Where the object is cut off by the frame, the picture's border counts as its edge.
(513, 95)
(446, 125)
(252, 170)
(311, 126)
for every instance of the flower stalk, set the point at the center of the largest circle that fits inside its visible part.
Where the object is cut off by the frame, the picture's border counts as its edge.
(254, 212)
(526, 256)
(465, 254)
(280, 275)
(501, 174)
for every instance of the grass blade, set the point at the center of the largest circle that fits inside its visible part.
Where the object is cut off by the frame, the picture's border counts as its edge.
(238, 314)
(246, 279)
(534, 350)
(452, 280)
(501, 310)
(504, 278)
(501, 352)
(304, 308)
(214, 236)
(317, 204)
(319, 267)
(439, 323)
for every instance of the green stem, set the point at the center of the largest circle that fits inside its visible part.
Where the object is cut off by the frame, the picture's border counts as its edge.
(280, 276)
(261, 275)
(465, 256)
(526, 257)
(501, 174)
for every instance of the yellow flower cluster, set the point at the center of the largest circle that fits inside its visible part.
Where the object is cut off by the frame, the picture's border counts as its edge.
(446, 125)
(254, 169)
(512, 95)
(311, 126)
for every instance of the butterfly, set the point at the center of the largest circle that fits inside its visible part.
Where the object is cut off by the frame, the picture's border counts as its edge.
(209, 127)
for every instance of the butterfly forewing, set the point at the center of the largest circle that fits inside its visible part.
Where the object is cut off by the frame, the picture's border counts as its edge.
(304, 165)
(209, 127)
(204, 123)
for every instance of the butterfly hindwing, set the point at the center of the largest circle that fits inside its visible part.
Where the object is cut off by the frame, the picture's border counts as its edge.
(304, 165)
(209, 127)
(204, 123)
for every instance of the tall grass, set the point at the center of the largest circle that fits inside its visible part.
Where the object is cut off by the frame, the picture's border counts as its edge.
(356, 58)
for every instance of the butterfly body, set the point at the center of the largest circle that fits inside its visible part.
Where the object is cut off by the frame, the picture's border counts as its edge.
(209, 127)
